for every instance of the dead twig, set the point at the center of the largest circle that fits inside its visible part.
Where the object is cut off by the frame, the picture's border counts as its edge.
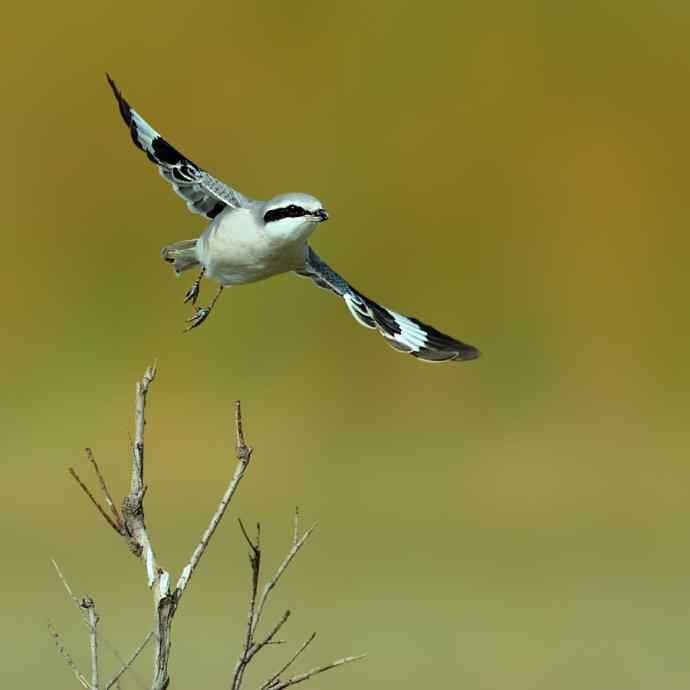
(106, 492)
(85, 618)
(301, 677)
(244, 455)
(127, 665)
(97, 505)
(255, 609)
(297, 543)
(66, 656)
(70, 593)
(276, 676)
(87, 604)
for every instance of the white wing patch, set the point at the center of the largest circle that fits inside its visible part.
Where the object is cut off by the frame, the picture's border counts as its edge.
(359, 311)
(402, 333)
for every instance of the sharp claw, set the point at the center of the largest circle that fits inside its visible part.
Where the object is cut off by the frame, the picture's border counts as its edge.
(192, 294)
(197, 318)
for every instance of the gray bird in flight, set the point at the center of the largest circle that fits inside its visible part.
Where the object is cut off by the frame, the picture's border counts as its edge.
(248, 240)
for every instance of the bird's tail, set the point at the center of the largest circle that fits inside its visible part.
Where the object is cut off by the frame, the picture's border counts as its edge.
(403, 333)
(181, 254)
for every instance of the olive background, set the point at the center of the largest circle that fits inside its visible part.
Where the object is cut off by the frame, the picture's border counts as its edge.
(514, 174)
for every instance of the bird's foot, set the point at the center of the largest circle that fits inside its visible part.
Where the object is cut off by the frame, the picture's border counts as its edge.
(197, 318)
(192, 293)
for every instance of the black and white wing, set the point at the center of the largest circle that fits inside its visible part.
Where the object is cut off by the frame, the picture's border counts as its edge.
(403, 333)
(203, 193)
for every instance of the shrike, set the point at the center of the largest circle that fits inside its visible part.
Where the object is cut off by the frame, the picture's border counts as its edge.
(250, 240)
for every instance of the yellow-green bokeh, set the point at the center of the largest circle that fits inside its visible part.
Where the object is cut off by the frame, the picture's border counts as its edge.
(514, 173)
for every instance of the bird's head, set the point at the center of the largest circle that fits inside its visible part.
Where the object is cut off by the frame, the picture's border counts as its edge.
(292, 215)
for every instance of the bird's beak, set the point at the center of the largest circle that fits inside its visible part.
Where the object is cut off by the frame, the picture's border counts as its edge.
(321, 215)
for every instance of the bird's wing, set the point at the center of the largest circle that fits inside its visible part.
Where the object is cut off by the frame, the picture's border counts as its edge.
(203, 193)
(403, 333)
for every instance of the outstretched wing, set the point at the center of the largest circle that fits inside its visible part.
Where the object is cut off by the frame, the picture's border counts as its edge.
(403, 333)
(203, 193)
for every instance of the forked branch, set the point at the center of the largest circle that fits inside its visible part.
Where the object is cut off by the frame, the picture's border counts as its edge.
(129, 523)
(252, 645)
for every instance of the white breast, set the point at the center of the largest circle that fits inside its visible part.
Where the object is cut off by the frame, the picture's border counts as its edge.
(235, 249)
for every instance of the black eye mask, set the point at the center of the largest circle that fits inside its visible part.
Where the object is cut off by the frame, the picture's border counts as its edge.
(291, 211)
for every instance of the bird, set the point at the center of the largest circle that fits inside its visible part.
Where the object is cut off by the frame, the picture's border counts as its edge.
(248, 240)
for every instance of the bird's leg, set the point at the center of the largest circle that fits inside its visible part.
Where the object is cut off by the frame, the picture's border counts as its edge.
(193, 291)
(202, 313)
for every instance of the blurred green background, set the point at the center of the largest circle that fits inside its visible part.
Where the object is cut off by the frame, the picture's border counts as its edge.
(515, 174)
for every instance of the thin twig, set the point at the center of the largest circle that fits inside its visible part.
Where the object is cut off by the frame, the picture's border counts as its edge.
(104, 488)
(66, 656)
(97, 505)
(301, 677)
(296, 546)
(87, 604)
(274, 631)
(253, 546)
(276, 676)
(116, 678)
(295, 525)
(250, 646)
(244, 454)
(70, 593)
(255, 561)
(84, 616)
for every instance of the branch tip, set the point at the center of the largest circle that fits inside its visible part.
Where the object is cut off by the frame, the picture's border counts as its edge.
(254, 546)
(242, 450)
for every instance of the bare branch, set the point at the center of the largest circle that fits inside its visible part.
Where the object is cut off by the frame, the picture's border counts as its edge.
(96, 504)
(296, 546)
(251, 647)
(130, 523)
(244, 454)
(133, 504)
(66, 656)
(87, 604)
(241, 448)
(164, 603)
(116, 678)
(253, 546)
(276, 676)
(301, 677)
(295, 526)
(84, 616)
(142, 388)
(274, 631)
(255, 561)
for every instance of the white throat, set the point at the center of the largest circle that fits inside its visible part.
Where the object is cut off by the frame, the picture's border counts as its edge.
(290, 229)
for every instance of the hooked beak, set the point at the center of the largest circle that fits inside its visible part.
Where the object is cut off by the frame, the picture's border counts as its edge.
(321, 215)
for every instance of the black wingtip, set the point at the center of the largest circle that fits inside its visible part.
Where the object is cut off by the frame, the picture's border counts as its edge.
(122, 103)
(112, 84)
(468, 352)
